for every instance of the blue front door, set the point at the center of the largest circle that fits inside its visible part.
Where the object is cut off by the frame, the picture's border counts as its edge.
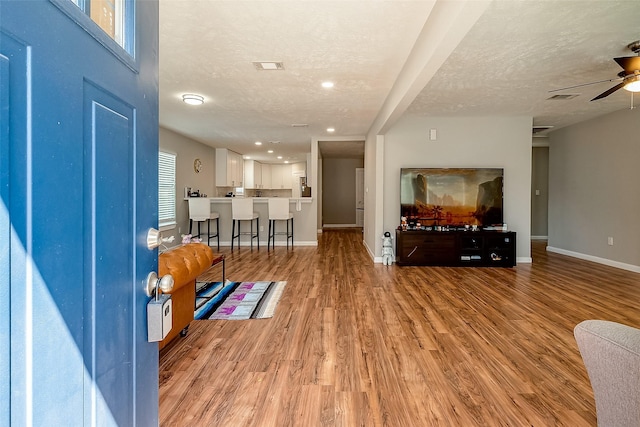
(78, 188)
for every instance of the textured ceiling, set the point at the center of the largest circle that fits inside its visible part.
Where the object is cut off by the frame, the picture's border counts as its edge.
(520, 50)
(386, 58)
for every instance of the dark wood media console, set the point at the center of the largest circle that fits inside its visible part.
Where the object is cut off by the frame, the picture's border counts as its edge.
(456, 248)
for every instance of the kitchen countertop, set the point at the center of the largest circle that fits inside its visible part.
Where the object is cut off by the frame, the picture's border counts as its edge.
(257, 199)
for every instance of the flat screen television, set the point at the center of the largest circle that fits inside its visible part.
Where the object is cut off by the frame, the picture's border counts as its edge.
(451, 196)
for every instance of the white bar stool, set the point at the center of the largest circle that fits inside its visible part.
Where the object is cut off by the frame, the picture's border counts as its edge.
(242, 210)
(279, 211)
(200, 211)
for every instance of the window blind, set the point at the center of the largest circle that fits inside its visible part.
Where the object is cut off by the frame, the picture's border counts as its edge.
(166, 189)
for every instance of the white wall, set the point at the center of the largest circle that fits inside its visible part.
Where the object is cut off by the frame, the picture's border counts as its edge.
(187, 150)
(501, 142)
(594, 175)
(373, 195)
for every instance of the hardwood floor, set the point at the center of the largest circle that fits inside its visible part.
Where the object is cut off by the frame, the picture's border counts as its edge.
(354, 343)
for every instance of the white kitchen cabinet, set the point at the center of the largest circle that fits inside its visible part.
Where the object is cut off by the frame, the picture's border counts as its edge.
(266, 176)
(229, 168)
(252, 174)
(281, 177)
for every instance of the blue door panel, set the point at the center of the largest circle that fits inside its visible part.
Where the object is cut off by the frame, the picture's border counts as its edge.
(109, 342)
(5, 231)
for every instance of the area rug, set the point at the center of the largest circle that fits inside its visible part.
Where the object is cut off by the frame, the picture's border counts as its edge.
(237, 300)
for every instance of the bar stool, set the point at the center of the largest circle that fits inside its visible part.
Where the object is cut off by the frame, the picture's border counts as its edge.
(279, 211)
(200, 211)
(242, 210)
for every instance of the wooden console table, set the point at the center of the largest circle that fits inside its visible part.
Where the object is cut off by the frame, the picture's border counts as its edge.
(456, 248)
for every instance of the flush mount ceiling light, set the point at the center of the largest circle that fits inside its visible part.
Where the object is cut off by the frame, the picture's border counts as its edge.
(327, 85)
(268, 65)
(258, 143)
(632, 83)
(279, 157)
(270, 151)
(192, 99)
(331, 130)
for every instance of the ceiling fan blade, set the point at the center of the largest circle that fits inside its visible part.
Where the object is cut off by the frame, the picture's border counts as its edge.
(610, 91)
(629, 63)
(584, 84)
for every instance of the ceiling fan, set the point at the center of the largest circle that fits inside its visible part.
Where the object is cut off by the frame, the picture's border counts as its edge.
(629, 78)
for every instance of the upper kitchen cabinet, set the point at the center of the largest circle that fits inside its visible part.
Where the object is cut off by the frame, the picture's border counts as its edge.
(252, 174)
(281, 177)
(229, 168)
(266, 175)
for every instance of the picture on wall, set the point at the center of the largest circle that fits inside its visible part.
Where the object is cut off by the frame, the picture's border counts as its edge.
(452, 196)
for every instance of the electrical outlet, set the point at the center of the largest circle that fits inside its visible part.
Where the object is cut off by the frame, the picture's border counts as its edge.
(610, 241)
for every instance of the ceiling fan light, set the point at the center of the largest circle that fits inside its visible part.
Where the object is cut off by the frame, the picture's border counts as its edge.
(633, 85)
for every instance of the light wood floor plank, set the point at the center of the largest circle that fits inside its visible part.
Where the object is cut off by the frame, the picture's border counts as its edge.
(354, 343)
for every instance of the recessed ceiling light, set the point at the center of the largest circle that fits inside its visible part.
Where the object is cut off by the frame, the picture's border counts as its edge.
(279, 157)
(258, 143)
(327, 85)
(286, 161)
(247, 157)
(270, 151)
(193, 99)
(275, 142)
(331, 130)
(268, 65)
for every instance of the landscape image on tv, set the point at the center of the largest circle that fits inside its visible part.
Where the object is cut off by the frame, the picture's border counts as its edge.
(451, 196)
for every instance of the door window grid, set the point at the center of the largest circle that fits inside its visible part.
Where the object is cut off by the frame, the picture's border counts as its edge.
(166, 190)
(110, 15)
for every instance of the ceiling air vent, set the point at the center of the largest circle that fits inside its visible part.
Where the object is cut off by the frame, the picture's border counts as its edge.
(268, 65)
(538, 129)
(565, 96)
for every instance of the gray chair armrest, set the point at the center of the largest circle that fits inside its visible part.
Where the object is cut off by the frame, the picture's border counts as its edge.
(611, 354)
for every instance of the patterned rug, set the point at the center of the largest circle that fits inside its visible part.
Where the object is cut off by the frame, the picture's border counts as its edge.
(237, 300)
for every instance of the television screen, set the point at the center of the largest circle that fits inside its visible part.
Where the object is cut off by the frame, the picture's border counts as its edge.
(451, 196)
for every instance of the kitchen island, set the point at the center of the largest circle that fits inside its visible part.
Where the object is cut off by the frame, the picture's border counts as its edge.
(305, 228)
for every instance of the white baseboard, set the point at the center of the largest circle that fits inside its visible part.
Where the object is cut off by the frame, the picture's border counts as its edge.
(524, 260)
(339, 225)
(539, 237)
(610, 263)
(370, 252)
